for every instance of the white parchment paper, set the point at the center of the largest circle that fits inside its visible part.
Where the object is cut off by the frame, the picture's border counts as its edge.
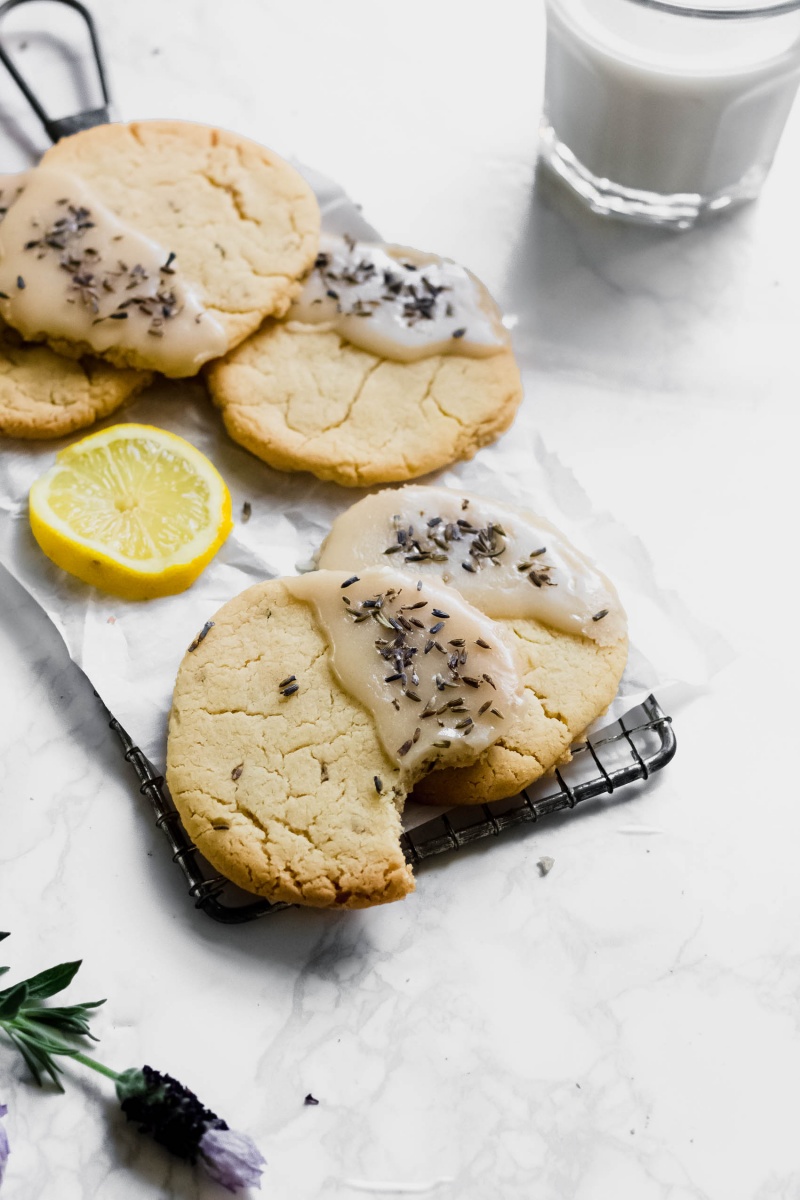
(131, 651)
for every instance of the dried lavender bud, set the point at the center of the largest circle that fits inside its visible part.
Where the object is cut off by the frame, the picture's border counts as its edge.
(174, 1117)
(201, 635)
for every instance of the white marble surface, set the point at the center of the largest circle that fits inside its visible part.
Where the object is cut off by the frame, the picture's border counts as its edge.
(625, 1027)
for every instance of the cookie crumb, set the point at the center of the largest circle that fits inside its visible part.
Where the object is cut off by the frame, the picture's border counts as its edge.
(545, 864)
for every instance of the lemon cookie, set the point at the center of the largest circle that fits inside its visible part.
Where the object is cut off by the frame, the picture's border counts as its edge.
(44, 395)
(390, 364)
(157, 244)
(312, 705)
(559, 614)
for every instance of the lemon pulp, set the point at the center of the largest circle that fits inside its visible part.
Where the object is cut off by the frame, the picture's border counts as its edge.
(134, 510)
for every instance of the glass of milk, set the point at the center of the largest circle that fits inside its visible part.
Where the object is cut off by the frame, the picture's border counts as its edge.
(661, 110)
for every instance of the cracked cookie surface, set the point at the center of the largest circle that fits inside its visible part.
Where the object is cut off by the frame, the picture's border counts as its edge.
(569, 681)
(45, 395)
(278, 791)
(243, 224)
(307, 400)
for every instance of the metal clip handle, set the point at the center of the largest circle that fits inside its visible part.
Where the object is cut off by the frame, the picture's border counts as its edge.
(62, 126)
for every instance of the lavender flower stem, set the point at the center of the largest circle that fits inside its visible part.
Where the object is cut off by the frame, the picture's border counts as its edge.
(97, 1066)
(71, 1052)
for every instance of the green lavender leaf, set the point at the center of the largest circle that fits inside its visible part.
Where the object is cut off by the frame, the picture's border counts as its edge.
(73, 1019)
(12, 1000)
(38, 1063)
(48, 982)
(36, 1030)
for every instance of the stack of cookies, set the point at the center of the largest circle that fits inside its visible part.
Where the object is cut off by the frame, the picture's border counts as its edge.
(139, 248)
(163, 246)
(448, 647)
(458, 673)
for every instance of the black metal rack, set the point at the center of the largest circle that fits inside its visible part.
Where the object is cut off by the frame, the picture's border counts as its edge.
(627, 752)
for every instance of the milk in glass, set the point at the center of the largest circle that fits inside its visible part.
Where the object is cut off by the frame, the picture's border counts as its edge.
(688, 109)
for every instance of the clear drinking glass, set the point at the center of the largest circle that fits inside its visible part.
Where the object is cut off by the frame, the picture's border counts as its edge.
(663, 110)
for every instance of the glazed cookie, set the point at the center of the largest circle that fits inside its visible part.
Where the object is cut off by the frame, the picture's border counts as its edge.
(158, 244)
(307, 711)
(44, 395)
(389, 365)
(561, 617)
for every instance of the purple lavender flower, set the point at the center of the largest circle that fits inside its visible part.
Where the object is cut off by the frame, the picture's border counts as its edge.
(157, 1103)
(231, 1158)
(3, 1144)
(174, 1117)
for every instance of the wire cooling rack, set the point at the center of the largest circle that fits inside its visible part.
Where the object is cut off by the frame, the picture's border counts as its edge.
(627, 752)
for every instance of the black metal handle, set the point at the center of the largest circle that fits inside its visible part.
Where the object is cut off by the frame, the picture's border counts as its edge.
(62, 126)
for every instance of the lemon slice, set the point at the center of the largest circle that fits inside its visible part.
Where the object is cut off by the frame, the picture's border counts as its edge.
(133, 510)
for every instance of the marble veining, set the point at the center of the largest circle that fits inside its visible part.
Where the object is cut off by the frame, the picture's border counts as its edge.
(625, 1026)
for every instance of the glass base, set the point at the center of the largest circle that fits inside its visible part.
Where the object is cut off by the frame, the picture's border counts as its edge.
(680, 210)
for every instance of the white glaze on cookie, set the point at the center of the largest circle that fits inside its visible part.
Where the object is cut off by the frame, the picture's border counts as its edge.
(11, 187)
(398, 303)
(508, 563)
(70, 270)
(433, 672)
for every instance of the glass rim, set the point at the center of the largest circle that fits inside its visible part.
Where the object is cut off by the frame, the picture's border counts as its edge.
(729, 12)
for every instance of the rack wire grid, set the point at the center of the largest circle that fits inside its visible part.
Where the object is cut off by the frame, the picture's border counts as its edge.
(625, 753)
